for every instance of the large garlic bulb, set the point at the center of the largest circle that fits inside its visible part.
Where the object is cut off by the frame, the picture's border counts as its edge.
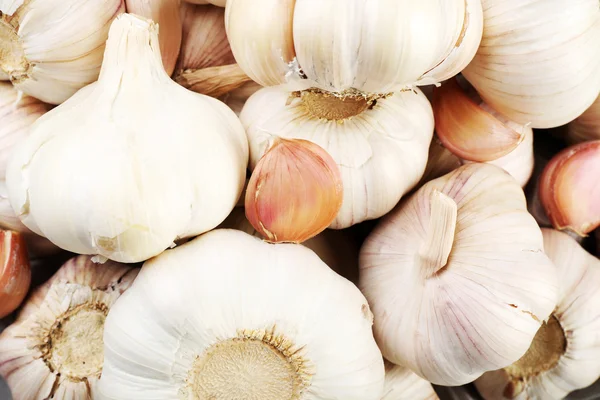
(380, 145)
(457, 277)
(538, 61)
(54, 350)
(130, 163)
(402, 384)
(51, 48)
(228, 316)
(565, 354)
(586, 126)
(377, 46)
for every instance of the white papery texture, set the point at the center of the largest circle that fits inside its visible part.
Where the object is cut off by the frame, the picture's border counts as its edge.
(403, 384)
(207, 290)
(586, 126)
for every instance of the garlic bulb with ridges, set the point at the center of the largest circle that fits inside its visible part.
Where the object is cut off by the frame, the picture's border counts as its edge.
(54, 349)
(586, 126)
(565, 355)
(402, 384)
(457, 278)
(155, 162)
(538, 61)
(269, 322)
(380, 145)
(52, 48)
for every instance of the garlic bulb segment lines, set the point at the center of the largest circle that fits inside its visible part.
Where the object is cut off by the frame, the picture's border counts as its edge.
(55, 348)
(15, 272)
(473, 300)
(285, 327)
(51, 48)
(380, 145)
(586, 126)
(402, 384)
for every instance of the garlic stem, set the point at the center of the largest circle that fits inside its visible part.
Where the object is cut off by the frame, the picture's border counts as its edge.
(440, 235)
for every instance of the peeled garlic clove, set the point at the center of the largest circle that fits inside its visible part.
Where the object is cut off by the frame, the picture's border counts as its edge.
(15, 273)
(55, 347)
(564, 355)
(295, 191)
(402, 384)
(288, 324)
(236, 99)
(155, 162)
(586, 126)
(568, 189)
(51, 49)
(213, 81)
(461, 252)
(529, 75)
(379, 145)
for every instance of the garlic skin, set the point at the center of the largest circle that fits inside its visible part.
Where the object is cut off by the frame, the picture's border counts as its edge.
(236, 99)
(15, 271)
(51, 48)
(380, 146)
(340, 45)
(218, 3)
(213, 81)
(54, 349)
(567, 357)
(459, 253)
(155, 162)
(524, 67)
(402, 384)
(586, 126)
(284, 302)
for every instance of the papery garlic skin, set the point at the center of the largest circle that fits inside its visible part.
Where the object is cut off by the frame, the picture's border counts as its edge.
(457, 277)
(538, 61)
(586, 126)
(402, 384)
(54, 348)
(381, 150)
(577, 313)
(52, 48)
(218, 3)
(15, 271)
(236, 99)
(154, 161)
(283, 296)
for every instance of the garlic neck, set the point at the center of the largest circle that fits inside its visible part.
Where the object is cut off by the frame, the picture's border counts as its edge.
(12, 56)
(323, 105)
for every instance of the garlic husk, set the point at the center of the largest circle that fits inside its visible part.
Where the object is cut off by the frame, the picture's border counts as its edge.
(167, 15)
(586, 126)
(51, 49)
(524, 67)
(568, 188)
(295, 191)
(236, 99)
(380, 146)
(459, 253)
(155, 162)
(54, 349)
(565, 354)
(218, 3)
(15, 271)
(213, 81)
(402, 384)
(311, 327)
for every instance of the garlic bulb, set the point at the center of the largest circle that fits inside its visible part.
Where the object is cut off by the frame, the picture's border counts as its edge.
(154, 161)
(586, 126)
(565, 354)
(525, 65)
(54, 349)
(15, 272)
(402, 384)
(268, 322)
(51, 48)
(380, 145)
(460, 253)
(345, 46)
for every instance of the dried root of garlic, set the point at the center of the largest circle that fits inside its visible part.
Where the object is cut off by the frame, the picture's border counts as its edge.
(402, 384)
(586, 126)
(564, 355)
(15, 272)
(55, 347)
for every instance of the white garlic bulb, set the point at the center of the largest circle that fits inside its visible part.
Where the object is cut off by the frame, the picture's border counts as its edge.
(378, 46)
(457, 277)
(565, 354)
(54, 349)
(380, 145)
(538, 61)
(402, 384)
(51, 48)
(144, 161)
(238, 318)
(586, 126)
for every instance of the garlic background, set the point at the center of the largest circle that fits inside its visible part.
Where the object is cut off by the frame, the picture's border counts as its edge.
(154, 161)
(402, 384)
(268, 301)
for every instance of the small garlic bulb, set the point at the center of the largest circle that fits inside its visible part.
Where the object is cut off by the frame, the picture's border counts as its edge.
(538, 61)
(268, 322)
(55, 349)
(402, 384)
(461, 252)
(15, 272)
(565, 353)
(379, 145)
(51, 48)
(154, 162)
(586, 126)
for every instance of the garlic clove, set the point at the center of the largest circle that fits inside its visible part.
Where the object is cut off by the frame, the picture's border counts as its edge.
(440, 161)
(236, 99)
(568, 190)
(218, 3)
(213, 81)
(295, 191)
(434, 316)
(586, 126)
(167, 15)
(402, 384)
(15, 272)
